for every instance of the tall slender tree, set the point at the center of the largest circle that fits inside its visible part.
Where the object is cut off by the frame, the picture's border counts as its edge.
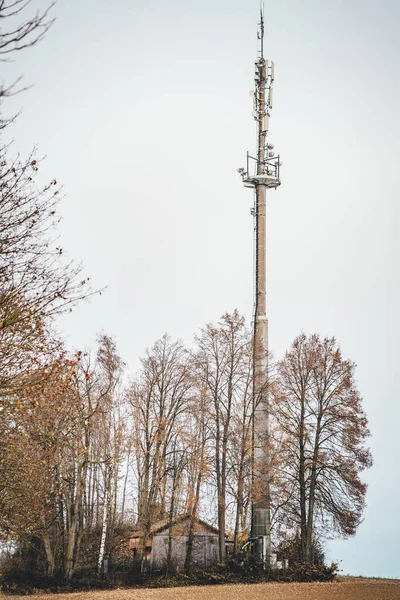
(224, 367)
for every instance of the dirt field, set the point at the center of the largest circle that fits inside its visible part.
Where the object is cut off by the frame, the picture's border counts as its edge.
(348, 589)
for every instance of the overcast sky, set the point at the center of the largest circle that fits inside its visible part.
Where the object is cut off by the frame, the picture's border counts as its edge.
(143, 111)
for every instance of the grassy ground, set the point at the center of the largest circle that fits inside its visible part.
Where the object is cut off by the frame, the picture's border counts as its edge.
(347, 588)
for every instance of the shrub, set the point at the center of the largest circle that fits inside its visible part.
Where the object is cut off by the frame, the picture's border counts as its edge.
(304, 571)
(17, 577)
(291, 550)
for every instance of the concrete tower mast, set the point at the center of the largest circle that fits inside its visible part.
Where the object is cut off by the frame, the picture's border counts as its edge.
(261, 173)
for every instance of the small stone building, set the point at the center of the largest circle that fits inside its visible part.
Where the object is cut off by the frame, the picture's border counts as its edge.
(154, 550)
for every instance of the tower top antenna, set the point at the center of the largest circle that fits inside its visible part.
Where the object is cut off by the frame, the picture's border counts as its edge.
(261, 29)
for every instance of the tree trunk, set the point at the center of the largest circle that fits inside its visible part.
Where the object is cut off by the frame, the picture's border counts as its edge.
(125, 484)
(69, 558)
(302, 483)
(220, 493)
(239, 510)
(49, 555)
(103, 532)
(193, 514)
(221, 520)
(311, 500)
(74, 519)
(171, 517)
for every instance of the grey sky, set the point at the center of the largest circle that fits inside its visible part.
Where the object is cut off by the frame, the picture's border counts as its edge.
(143, 111)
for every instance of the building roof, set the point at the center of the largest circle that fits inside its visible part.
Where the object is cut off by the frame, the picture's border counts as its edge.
(164, 524)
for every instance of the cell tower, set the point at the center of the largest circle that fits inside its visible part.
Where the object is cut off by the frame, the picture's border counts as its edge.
(261, 173)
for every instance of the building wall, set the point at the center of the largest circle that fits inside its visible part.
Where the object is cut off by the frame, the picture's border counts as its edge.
(205, 550)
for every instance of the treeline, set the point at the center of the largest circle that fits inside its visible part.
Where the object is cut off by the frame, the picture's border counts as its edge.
(87, 457)
(89, 451)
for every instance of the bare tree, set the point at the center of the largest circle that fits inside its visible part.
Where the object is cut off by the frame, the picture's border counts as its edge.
(223, 367)
(324, 429)
(110, 430)
(26, 27)
(158, 397)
